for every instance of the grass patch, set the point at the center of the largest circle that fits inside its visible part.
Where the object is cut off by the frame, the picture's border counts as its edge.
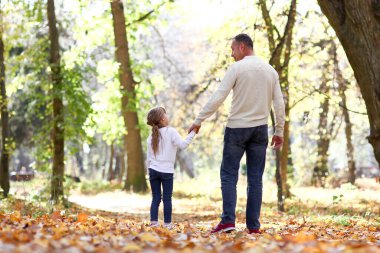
(26, 208)
(342, 220)
(95, 187)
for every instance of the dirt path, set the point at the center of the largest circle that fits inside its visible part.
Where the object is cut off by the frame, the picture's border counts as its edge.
(122, 203)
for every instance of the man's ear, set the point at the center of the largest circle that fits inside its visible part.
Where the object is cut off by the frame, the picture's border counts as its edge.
(242, 47)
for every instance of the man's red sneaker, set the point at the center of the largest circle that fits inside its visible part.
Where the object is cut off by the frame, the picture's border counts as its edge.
(254, 231)
(228, 227)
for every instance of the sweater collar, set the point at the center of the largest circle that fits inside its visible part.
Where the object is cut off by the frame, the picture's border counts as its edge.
(250, 57)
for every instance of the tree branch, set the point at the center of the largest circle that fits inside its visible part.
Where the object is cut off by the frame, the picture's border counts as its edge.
(268, 24)
(301, 99)
(288, 27)
(146, 15)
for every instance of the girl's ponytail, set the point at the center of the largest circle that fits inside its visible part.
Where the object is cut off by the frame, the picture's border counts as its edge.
(156, 136)
(154, 117)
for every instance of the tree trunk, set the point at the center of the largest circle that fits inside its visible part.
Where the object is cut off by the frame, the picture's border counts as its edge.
(280, 195)
(185, 163)
(342, 86)
(284, 158)
(135, 161)
(79, 160)
(290, 162)
(4, 164)
(280, 59)
(58, 121)
(357, 25)
(284, 80)
(117, 170)
(110, 165)
(121, 157)
(320, 171)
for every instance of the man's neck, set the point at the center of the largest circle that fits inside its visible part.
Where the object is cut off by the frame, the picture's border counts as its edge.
(250, 53)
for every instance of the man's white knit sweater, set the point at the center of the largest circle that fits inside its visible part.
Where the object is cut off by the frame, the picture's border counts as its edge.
(255, 85)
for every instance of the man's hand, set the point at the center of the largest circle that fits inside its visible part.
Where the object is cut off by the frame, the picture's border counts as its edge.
(277, 142)
(195, 128)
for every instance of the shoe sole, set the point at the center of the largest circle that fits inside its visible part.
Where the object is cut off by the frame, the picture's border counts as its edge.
(226, 230)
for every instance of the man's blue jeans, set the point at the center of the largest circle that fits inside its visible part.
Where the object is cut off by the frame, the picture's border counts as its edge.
(157, 179)
(253, 141)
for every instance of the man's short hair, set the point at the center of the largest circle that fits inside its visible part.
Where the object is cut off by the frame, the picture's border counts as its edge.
(245, 39)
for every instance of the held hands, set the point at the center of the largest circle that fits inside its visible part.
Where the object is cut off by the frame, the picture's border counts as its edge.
(195, 128)
(276, 142)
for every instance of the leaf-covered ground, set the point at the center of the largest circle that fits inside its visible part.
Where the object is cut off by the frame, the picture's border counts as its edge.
(104, 232)
(341, 224)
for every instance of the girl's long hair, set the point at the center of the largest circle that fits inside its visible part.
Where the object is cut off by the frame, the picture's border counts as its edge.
(153, 119)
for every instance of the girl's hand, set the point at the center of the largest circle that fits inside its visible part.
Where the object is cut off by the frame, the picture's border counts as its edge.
(195, 128)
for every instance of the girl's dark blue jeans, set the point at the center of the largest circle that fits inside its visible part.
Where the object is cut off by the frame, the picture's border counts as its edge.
(253, 142)
(157, 179)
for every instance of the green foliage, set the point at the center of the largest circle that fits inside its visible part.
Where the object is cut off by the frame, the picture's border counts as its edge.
(146, 10)
(337, 199)
(95, 187)
(77, 106)
(28, 78)
(30, 108)
(43, 194)
(68, 185)
(105, 117)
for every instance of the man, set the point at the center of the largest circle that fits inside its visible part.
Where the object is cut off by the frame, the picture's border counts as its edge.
(255, 86)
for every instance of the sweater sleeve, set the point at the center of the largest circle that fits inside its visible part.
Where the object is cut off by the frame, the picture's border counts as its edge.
(179, 142)
(218, 97)
(279, 108)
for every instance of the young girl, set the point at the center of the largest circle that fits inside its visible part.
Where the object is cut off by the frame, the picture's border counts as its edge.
(162, 148)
